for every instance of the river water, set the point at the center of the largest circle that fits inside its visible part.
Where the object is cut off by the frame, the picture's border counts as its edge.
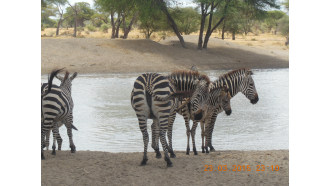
(107, 122)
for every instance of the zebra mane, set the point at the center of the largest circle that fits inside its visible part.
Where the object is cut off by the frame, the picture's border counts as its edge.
(240, 71)
(184, 80)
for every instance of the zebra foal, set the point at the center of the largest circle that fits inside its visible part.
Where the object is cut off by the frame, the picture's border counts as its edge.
(57, 107)
(153, 97)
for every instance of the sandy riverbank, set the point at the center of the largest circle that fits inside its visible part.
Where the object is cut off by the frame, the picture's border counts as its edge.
(104, 168)
(100, 55)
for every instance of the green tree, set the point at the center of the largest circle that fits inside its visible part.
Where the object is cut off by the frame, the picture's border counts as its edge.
(187, 19)
(284, 27)
(272, 19)
(47, 11)
(210, 7)
(77, 14)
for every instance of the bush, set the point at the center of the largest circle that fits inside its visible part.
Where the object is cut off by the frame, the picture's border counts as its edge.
(91, 28)
(104, 28)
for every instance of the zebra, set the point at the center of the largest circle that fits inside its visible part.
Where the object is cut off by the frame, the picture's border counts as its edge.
(57, 106)
(44, 88)
(218, 96)
(153, 97)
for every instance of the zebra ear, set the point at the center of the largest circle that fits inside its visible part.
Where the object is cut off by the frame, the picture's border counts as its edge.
(248, 72)
(74, 75)
(59, 77)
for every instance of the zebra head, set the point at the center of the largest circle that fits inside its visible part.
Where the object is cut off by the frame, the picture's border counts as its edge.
(224, 100)
(199, 98)
(248, 87)
(66, 81)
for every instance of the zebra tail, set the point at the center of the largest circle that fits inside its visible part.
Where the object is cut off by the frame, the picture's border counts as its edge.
(73, 127)
(50, 79)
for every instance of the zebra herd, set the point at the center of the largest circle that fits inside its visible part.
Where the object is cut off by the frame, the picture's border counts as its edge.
(158, 97)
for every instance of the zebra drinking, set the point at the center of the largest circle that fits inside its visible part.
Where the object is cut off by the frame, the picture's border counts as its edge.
(153, 97)
(57, 106)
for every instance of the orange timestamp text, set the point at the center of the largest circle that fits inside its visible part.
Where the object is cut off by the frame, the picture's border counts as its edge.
(238, 168)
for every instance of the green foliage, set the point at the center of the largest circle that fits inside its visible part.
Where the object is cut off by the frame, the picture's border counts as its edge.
(187, 19)
(84, 13)
(104, 28)
(100, 18)
(284, 25)
(91, 28)
(272, 19)
(46, 13)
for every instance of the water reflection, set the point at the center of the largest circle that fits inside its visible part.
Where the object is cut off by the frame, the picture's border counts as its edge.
(106, 121)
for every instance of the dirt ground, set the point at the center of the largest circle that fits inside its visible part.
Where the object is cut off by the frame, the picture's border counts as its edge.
(104, 168)
(101, 55)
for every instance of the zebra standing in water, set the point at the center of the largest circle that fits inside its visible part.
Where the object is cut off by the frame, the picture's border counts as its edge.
(44, 88)
(153, 97)
(57, 106)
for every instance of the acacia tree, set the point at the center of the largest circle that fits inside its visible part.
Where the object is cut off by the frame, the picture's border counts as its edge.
(77, 14)
(187, 19)
(59, 12)
(209, 7)
(124, 10)
(272, 19)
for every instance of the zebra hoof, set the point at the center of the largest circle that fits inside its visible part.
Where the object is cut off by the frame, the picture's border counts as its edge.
(169, 164)
(173, 155)
(73, 149)
(187, 151)
(195, 152)
(158, 155)
(42, 156)
(144, 162)
(53, 152)
(212, 150)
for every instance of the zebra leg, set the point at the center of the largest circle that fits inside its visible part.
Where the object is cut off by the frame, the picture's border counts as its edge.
(193, 132)
(163, 124)
(211, 132)
(155, 139)
(169, 134)
(68, 124)
(186, 121)
(47, 140)
(202, 135)
(59, 141)
(143, 128)
(42, 141)
(55, 134)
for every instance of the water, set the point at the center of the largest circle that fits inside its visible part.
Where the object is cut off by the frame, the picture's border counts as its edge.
(107, 122)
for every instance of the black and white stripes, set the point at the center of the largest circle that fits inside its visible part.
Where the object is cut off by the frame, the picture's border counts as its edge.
(153, 97)
(57, 106)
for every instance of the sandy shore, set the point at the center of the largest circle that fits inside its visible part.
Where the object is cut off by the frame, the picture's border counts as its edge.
(104, 168)
(99, 55)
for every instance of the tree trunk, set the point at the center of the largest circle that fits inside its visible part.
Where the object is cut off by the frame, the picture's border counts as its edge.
(233, 35)
(171, 22)
(207, 36)
(75, 26)
(117, 28)
(58, 25)
(201, 30)
(113, 26)
(223, 30)
(128, 29)
(208, 32)
(124, 23)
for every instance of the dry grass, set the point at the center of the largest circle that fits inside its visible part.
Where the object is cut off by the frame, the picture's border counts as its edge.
(267, 40)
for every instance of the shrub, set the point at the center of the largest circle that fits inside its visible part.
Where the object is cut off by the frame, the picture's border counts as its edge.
(104, 28)
(91, 28)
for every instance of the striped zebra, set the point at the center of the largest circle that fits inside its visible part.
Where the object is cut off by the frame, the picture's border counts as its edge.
(237, 81)
(153, 97)
(57, 107)
(44, 88)
(218, 96)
